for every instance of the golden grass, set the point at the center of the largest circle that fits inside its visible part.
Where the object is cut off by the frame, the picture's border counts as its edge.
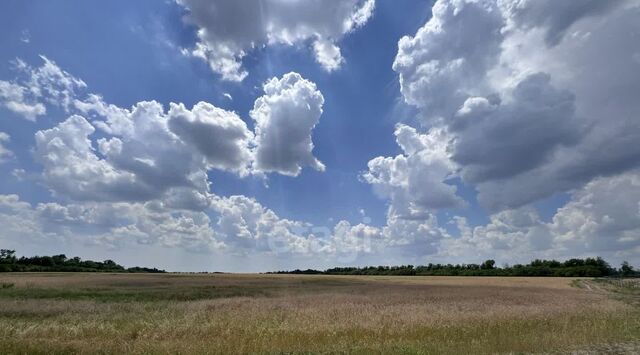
(172, 313)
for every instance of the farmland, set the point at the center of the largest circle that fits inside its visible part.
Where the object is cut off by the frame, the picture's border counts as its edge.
(250, 313)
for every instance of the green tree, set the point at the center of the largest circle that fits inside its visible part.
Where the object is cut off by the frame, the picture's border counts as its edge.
(488, 264)
(626, 269)
(7, 256)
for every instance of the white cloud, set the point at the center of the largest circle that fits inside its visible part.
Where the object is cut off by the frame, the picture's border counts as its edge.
(447, 59)
(143, 177)
(604, 216)
(240, 226)
(245, 226)
(18, 220)
(72, 168)
(5, 153)
(536, 95)
(492, 139)
(290, 107)
(510, 236)
(229, 30)
(108, 117)
(25, 36)
(147, 154)
(553, 16)
(13, 97)
(35, 87)
(140, 164)
(284, 118)
(415, 181)
(601, 219)
(328, 54)
(50, 83)
(520, 106)
(111, 225)
(219, 135)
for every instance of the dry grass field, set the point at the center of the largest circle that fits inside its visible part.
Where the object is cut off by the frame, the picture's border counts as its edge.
(175, 313)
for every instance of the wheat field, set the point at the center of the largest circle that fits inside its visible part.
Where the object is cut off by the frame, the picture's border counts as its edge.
(231, 313)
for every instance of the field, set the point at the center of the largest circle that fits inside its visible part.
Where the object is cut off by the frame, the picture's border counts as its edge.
(224, 313)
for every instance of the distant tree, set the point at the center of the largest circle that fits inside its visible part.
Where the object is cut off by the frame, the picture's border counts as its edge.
(7, 256)
(59, 259)
(9, 263)
(488, 264)
(626, 269)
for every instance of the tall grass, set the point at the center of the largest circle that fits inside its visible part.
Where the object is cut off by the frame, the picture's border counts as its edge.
(295, 314)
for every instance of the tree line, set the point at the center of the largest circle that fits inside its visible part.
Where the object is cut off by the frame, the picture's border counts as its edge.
(60, 263)
(589, 267)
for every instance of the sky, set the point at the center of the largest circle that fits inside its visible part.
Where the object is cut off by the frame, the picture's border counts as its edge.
(197, 135)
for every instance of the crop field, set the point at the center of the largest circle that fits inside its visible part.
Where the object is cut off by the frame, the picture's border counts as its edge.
(233, 313)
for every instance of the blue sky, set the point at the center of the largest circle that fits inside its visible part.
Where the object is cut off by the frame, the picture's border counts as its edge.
(456, 144)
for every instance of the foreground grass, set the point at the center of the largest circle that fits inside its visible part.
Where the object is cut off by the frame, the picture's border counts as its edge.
(274, 314)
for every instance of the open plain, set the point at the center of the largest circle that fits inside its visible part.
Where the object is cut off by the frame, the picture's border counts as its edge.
(250, 313)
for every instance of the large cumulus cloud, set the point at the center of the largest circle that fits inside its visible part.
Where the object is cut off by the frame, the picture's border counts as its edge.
(447, 59)
(144, 163)
(536, 95)
(228, 30)
(534, 98)
(415, 181)
(108, 153)
(284, 118)
(219, 134)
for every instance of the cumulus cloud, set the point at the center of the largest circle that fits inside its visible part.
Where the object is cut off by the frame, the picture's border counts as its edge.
(521, 99)
(71, 166)
(415, 182)
(245, 226)
(145, 163)
(327, 54)
(103, 153)
(238, 225)
(140, 174)
(110, 225)
(535, 94)
(602, 218)
(146, 153)
(446, 61)
(229, 30)
(555, 17)
(13, 97)
(500, 139)
(290, 107)
(218, 134)
(284, 118)
(18, 220)
(510, 236)
(35, 87)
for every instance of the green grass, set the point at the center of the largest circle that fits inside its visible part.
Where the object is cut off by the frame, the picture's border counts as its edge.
(155, 294)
